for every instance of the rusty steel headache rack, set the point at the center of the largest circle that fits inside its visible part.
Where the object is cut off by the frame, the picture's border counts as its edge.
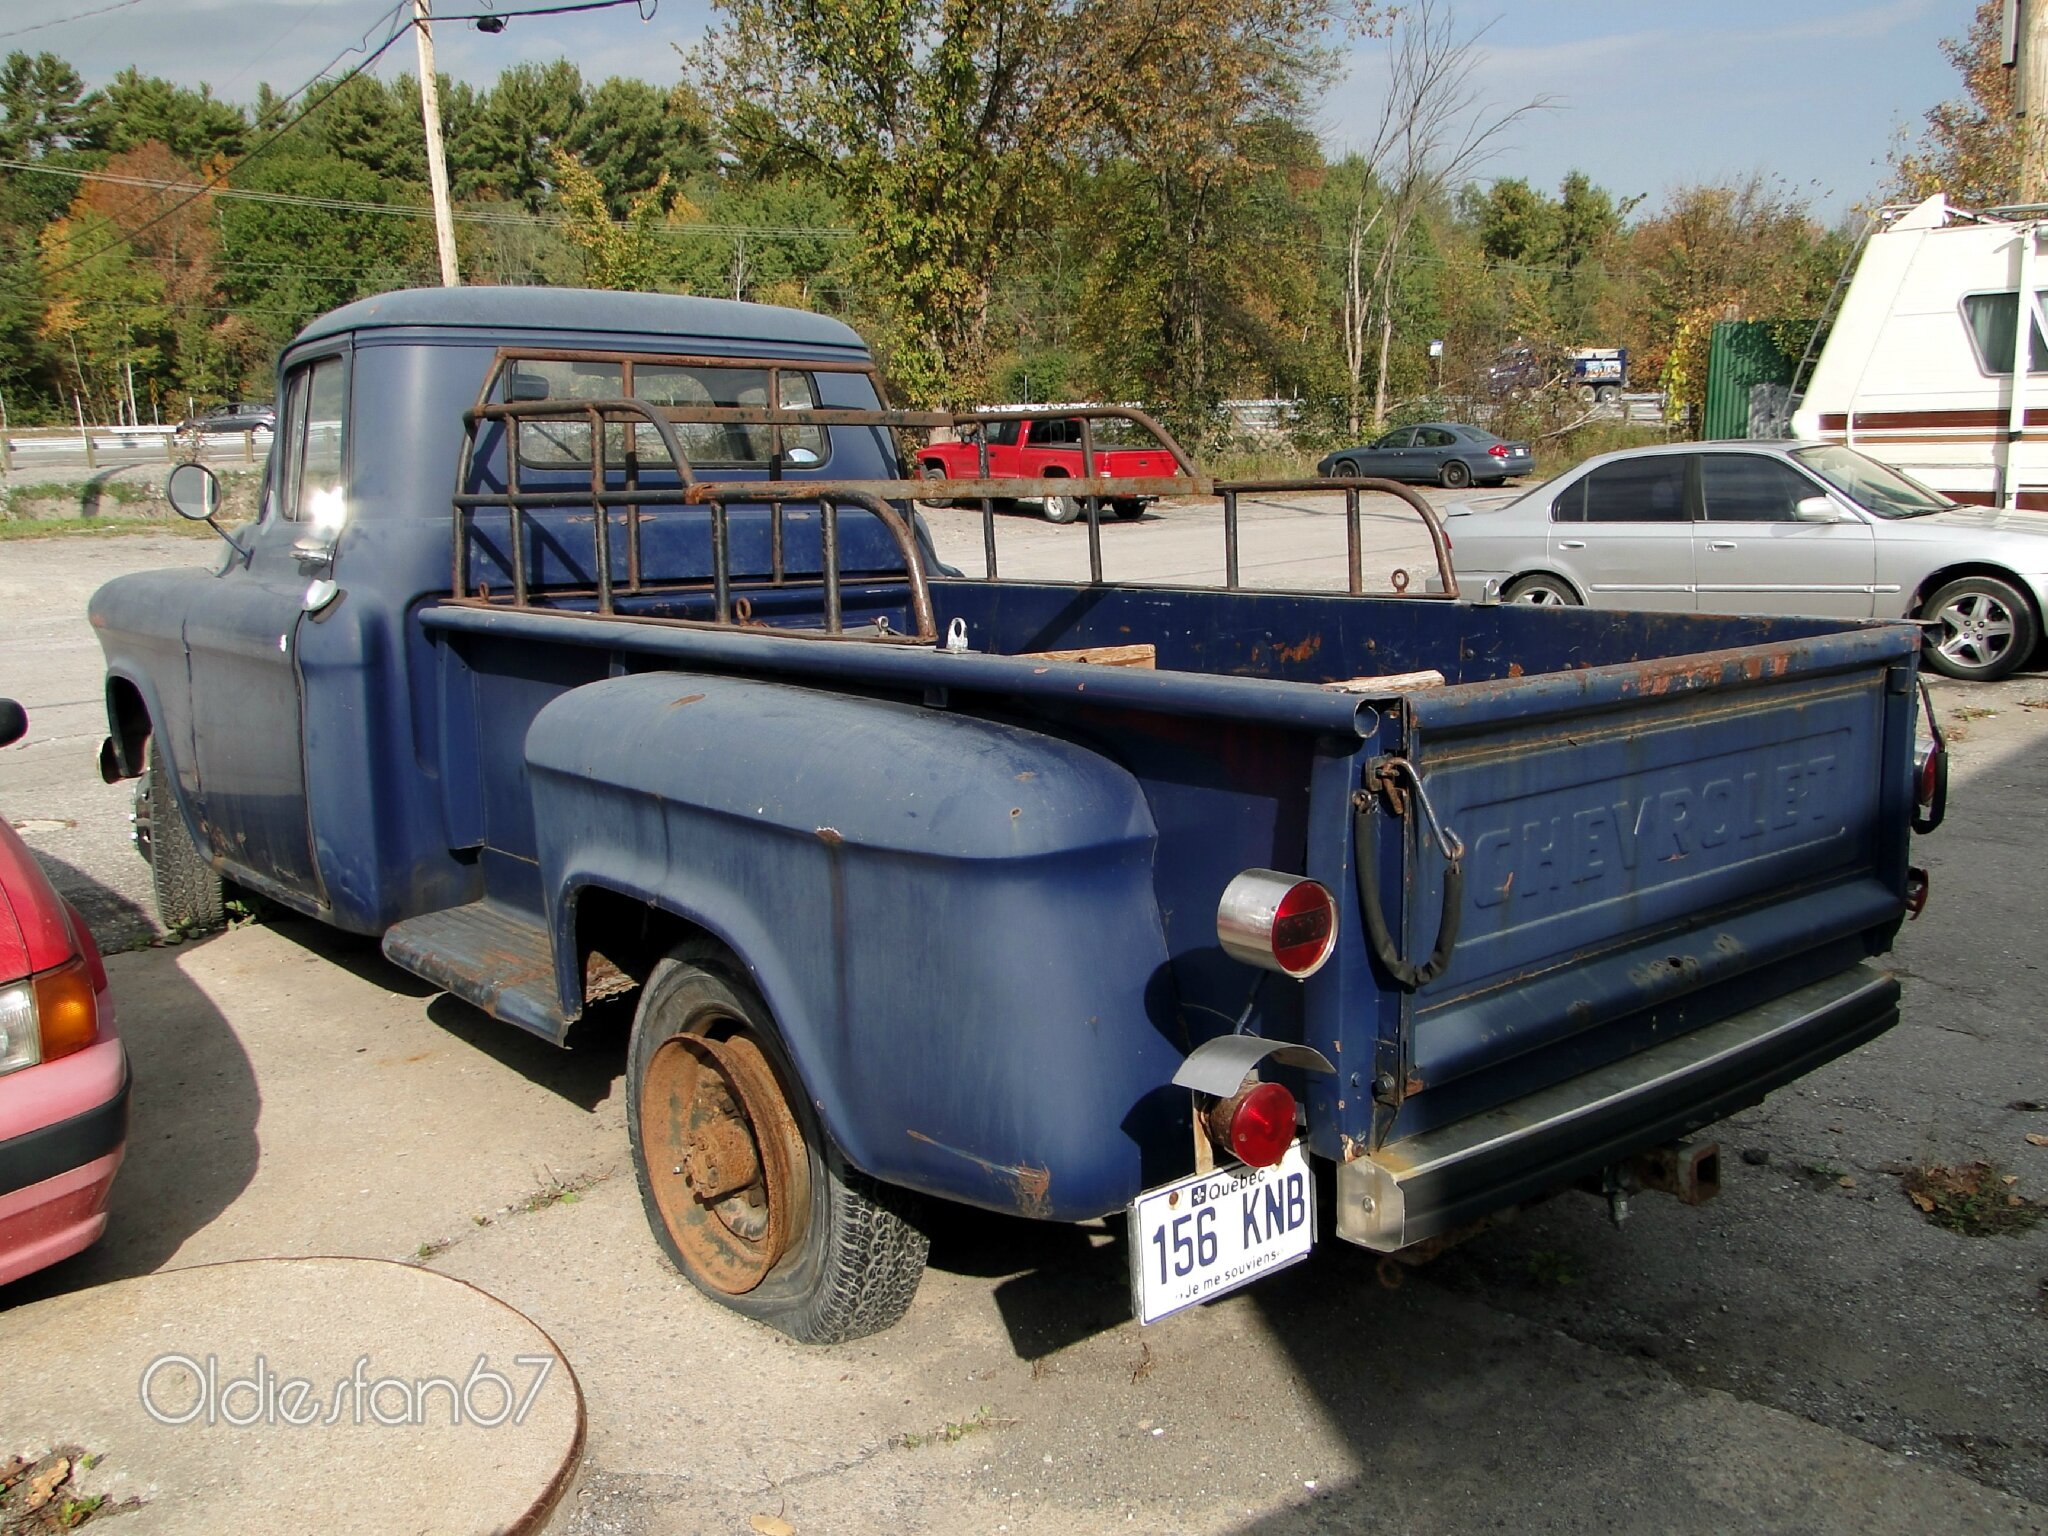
(604, 499)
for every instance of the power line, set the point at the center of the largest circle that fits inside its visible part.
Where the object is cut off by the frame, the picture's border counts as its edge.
(313, 106)
(119, 5)
(417, 210)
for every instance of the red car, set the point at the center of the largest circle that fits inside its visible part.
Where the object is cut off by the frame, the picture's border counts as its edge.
(63, 1074)
(1049, 449)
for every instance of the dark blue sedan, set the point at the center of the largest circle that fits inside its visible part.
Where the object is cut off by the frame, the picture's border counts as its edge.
(1434, 453)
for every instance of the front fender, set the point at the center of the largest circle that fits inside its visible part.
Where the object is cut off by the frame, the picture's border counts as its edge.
(952, 919)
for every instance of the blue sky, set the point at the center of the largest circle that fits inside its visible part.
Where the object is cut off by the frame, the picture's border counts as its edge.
(1649, 94)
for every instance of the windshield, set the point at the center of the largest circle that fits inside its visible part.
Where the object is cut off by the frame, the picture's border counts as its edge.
(1877, 488)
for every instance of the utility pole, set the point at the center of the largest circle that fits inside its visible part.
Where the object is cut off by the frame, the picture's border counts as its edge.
(2026, 54)
(437, 159)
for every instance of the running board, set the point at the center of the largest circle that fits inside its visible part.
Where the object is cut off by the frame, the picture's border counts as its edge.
(488, 954)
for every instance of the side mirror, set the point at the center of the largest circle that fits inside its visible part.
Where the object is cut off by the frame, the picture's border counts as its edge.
(1817, 509)
(13, 722)
(194, 492)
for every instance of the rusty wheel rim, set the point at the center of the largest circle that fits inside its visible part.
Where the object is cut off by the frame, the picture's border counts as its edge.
(725, 1160)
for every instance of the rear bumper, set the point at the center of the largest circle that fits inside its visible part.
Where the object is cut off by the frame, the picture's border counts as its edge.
(1443, 1179)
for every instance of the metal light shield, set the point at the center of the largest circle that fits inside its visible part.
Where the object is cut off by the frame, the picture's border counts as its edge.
(1277, 921)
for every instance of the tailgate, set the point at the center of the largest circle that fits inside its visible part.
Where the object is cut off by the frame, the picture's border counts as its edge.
(1648, 848)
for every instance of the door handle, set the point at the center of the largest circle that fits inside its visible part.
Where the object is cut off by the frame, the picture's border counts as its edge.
(1720, 543)
(1571, 543)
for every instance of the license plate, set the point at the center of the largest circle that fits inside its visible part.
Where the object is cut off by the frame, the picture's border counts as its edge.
(1216, 1231)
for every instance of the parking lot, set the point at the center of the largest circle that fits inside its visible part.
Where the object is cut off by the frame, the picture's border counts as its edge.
(1807, 1353)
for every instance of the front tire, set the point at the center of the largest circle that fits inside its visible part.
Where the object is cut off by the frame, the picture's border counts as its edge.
(744, 1192)
(1541, 592)
(1455, 474)
(188, 891)
(1985, 628)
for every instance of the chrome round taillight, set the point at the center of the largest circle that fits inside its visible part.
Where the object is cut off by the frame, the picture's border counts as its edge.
(1281, 922)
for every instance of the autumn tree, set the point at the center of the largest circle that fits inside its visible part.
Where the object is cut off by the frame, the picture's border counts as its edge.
(1434, 130)
(1970, 148)
(626, 253)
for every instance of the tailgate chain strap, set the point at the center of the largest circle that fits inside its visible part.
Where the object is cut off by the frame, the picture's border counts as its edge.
(1385, 779)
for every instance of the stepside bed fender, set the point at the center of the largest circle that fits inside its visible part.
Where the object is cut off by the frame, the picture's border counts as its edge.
(952, 919)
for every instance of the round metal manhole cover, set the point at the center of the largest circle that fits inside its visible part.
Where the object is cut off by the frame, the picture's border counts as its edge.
(31, 825)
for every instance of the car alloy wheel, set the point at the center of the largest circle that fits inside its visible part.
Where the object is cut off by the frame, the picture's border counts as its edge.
(1982, 630)
(1540, 592)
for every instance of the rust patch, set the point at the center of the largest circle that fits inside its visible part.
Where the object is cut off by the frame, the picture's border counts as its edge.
(1030, 1183)
(1514, 669)
(1300, 652)
(688, 698)
(602, 978)
(831, 836)
(1026, 776)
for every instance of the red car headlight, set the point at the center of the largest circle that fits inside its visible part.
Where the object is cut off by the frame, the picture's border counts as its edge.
(21, 1043)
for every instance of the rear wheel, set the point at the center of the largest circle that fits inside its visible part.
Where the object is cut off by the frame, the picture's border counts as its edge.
(1984, 629)
(1540, 591)
(1062, 509)
(1129, 508)
(1455, 474)
(744, 1192)
(188, 891)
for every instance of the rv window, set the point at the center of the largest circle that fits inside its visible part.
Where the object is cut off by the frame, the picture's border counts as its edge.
(1991, 318)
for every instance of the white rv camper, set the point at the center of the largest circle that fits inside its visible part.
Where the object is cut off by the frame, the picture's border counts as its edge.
(1925, 368)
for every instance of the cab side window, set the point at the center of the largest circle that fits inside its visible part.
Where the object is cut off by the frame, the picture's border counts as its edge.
(310, 487)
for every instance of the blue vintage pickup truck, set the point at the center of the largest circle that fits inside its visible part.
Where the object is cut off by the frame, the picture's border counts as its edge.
(589, 650)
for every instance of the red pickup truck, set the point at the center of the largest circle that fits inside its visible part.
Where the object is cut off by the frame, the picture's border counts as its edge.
(1049, 450)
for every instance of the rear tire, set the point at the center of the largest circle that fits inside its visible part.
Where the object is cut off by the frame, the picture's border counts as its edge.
(933, 472)
(1128, 508)
(188, 891)
(1062, 509)
(785, 1232)
(1987, 628)
(1455, 474)
(1541, 592)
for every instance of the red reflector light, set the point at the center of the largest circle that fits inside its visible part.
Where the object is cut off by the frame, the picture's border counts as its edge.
(1281, 922)
(1262, 1128)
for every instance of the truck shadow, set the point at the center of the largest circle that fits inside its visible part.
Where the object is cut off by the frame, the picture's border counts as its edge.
(1057, 1284)
(192, 1112)
(583, 1074)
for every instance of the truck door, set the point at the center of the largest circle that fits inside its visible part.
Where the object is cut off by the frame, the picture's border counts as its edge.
(1752, 554)
(247, 726)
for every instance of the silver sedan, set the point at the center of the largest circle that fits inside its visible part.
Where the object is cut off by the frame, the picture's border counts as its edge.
(1780, 528)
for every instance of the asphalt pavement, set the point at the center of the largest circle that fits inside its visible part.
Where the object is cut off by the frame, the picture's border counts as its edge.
(1806, 1353)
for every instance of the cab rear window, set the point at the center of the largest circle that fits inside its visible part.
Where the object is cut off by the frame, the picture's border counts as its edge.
(673, 387)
